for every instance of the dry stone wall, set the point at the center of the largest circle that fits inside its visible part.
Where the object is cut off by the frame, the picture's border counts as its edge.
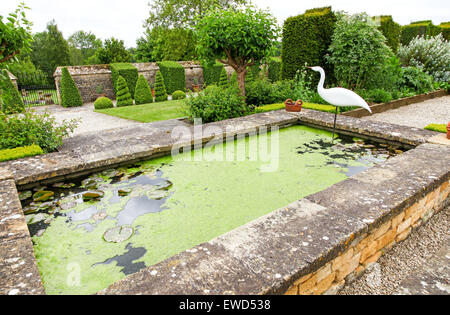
(88, 78)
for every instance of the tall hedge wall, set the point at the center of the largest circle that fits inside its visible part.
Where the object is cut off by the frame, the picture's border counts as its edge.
(390, 30)
(306, 38)
(211, 73)
(445, 29)
(174, 76)
(274, 69)
(420, 28)
(128, 72)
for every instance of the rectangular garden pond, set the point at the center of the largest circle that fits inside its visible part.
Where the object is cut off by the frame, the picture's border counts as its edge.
(164, 225)
(117, 222)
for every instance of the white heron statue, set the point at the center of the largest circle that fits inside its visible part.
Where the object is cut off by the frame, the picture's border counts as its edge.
(339, 97)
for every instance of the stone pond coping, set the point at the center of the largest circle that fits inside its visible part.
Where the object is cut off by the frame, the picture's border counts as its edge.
(269, 255)
(380, 108)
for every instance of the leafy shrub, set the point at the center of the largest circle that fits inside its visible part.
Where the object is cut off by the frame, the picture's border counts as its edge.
(419, 28)
(274, 71)
(70, 96)
(103, 103)
(262, 92)
(143, 93)
(128, 72)
(174, 76)
(160, 88)
(211, 73)
(255, 70)
(416, 80)
(10, 98)
(390, 30)
(224, 83)
(306, 38)
(376, 96)
(357, 36)
(178, 95)
(432, 54)
(31, 128)
(123, 95)
(215, 104)
(18, 153)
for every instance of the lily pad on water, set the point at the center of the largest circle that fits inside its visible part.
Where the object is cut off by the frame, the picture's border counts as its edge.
(94, 194)
(124, 192)
(42, 196)
(118, 234)
(158, 194)
(25, 195)
(63, 185)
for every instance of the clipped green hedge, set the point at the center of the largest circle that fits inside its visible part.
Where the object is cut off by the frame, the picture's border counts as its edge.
(103, 103)
(211, 73)
(174, 76)
(128, 72)
(390, 30)
(420, 28)
(11, 102)
(306, 39)
(70, 95)
(274, 71)
(445, 30)
(143, 93)
(160, 88)
(123, 93)
(18, 153)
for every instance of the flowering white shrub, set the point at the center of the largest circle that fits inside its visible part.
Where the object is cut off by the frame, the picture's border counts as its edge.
(432, 54)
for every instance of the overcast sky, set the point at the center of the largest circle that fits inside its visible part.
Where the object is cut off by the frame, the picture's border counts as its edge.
(124, 19)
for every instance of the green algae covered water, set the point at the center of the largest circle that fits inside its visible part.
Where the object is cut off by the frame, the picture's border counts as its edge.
(148, 212)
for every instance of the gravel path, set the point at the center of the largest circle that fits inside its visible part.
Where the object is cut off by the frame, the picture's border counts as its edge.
(90, 121)
(406, 259)
(419, 115)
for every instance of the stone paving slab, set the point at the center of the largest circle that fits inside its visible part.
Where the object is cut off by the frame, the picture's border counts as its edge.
(432, 279)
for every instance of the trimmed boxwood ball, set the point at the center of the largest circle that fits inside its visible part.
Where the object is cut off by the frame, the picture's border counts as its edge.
(178, 95)
(123, 94)
(70, 96)
(143, 93)
(103, 103)
(160, 88)
(11, 100)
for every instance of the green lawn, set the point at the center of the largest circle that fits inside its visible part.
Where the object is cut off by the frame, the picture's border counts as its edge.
(149, 112)
(437, 127)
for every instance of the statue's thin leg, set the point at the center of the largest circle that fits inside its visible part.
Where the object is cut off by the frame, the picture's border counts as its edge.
(335, 120)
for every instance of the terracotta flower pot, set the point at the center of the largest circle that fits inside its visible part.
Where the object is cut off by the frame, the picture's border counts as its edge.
(448, 130)
(294, 107)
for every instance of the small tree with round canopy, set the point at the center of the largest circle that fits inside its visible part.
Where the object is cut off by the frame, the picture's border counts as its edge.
(239, 38)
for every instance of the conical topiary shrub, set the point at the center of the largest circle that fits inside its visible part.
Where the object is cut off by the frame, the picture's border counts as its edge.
(249, 77)
(223, 83)
(142, 93)
(10, 97)
(70, 96)
(160, 88)
(123, 95)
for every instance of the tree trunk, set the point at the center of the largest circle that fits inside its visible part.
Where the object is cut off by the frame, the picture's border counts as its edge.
(241, 74)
